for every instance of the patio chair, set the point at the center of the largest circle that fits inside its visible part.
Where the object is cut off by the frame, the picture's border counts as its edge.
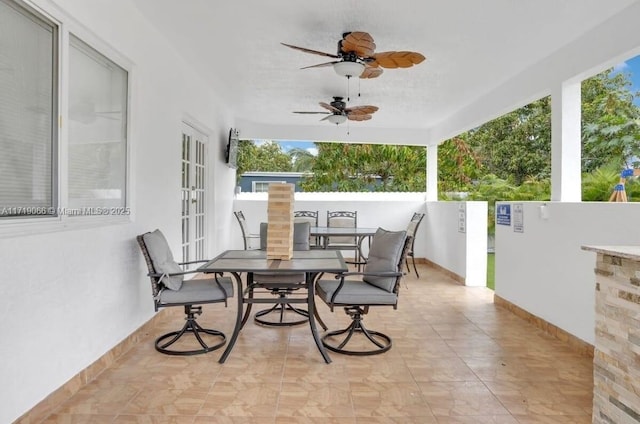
(169, 288)
(412, 229)
(344, 219)
(378, 285)
(282, 285)
(312, 218)
(247, 237)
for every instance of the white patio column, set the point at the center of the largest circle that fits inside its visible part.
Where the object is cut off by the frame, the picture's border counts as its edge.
(565, 143)
(432, 173)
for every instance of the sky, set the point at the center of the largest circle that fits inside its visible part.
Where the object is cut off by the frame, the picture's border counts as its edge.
(306, 145)
(631, 67)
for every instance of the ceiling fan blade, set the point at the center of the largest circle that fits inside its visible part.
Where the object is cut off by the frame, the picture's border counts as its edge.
(361, 110)
(313, 113)
(397, 59)
(321, 65)
(370, 72)
(303, 49)
(361, 43)
(329, 107)
(353, 117)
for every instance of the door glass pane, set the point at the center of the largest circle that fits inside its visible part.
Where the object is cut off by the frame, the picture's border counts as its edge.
(199, 191)
(186, 196)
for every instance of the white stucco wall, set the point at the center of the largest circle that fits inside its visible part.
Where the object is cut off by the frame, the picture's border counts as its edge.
(71, 294)
(544, 271)
(463, 253)
(438, 238)
(391, 211)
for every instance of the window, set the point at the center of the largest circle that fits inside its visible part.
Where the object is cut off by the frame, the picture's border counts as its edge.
(45, 172)
(97, 129)
(28, 112)
(263, 186)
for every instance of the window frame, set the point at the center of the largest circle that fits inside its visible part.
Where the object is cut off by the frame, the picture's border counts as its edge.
(256, 183)
(64, 25)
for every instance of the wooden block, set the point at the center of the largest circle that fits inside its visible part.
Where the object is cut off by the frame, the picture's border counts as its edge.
(280, 219)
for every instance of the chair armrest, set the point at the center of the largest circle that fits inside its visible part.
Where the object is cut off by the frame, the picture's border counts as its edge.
(342, 276)
(194, 262)
(160, 274)
(370, 274)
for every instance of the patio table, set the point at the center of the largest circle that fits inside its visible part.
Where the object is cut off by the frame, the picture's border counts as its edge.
(311, 262)
(360, 233)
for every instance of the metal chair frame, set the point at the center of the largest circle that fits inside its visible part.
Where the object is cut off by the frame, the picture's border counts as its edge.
(381, 341)
(191, 326)
(412, 229)
(284, 292)
(331, 215)
(246, 235)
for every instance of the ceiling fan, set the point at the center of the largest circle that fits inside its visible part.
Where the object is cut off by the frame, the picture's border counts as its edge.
(338, 112)
(356, 57)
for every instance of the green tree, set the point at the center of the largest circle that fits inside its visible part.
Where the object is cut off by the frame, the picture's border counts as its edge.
(610, 122)
(517, 145)
(301, 159)
(267, 157)
(458, 165)
(598, 184)
(247, 152)
(366, 167)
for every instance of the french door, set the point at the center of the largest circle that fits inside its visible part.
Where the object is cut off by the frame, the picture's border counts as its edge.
(193, 194)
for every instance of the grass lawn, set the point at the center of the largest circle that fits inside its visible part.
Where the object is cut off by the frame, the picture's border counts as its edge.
(491, 271)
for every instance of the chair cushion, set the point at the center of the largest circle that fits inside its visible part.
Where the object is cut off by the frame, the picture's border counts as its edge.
(301, 232)
(384, 256)
(342, 222)
(354, 292)
(197, 290)
(313, 222)
(162, 258)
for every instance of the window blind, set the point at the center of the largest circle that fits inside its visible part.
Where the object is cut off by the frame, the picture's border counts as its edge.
(97, 129)
(28, 59)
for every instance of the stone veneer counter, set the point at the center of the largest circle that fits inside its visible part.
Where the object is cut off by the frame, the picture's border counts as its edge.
(616, 361)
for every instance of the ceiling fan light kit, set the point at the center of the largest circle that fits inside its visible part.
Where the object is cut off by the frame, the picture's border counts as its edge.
(348, 69)
(337, 119)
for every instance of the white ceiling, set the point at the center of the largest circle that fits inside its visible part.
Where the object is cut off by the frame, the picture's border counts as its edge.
(472, 48)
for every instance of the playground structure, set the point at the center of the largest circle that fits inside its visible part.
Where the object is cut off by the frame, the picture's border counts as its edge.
(619, 194)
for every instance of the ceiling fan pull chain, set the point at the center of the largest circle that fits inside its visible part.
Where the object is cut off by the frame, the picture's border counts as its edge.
(348, 79)
(358, 87)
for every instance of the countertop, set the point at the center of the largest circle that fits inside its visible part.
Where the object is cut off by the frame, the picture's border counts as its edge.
(628, 252)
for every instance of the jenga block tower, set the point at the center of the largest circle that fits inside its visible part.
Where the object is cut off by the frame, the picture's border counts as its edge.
(280, 219)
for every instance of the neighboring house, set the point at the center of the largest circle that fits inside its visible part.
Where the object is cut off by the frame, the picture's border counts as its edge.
(258, 182)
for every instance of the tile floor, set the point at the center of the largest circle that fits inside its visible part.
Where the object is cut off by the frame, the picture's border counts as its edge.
(456, 358)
